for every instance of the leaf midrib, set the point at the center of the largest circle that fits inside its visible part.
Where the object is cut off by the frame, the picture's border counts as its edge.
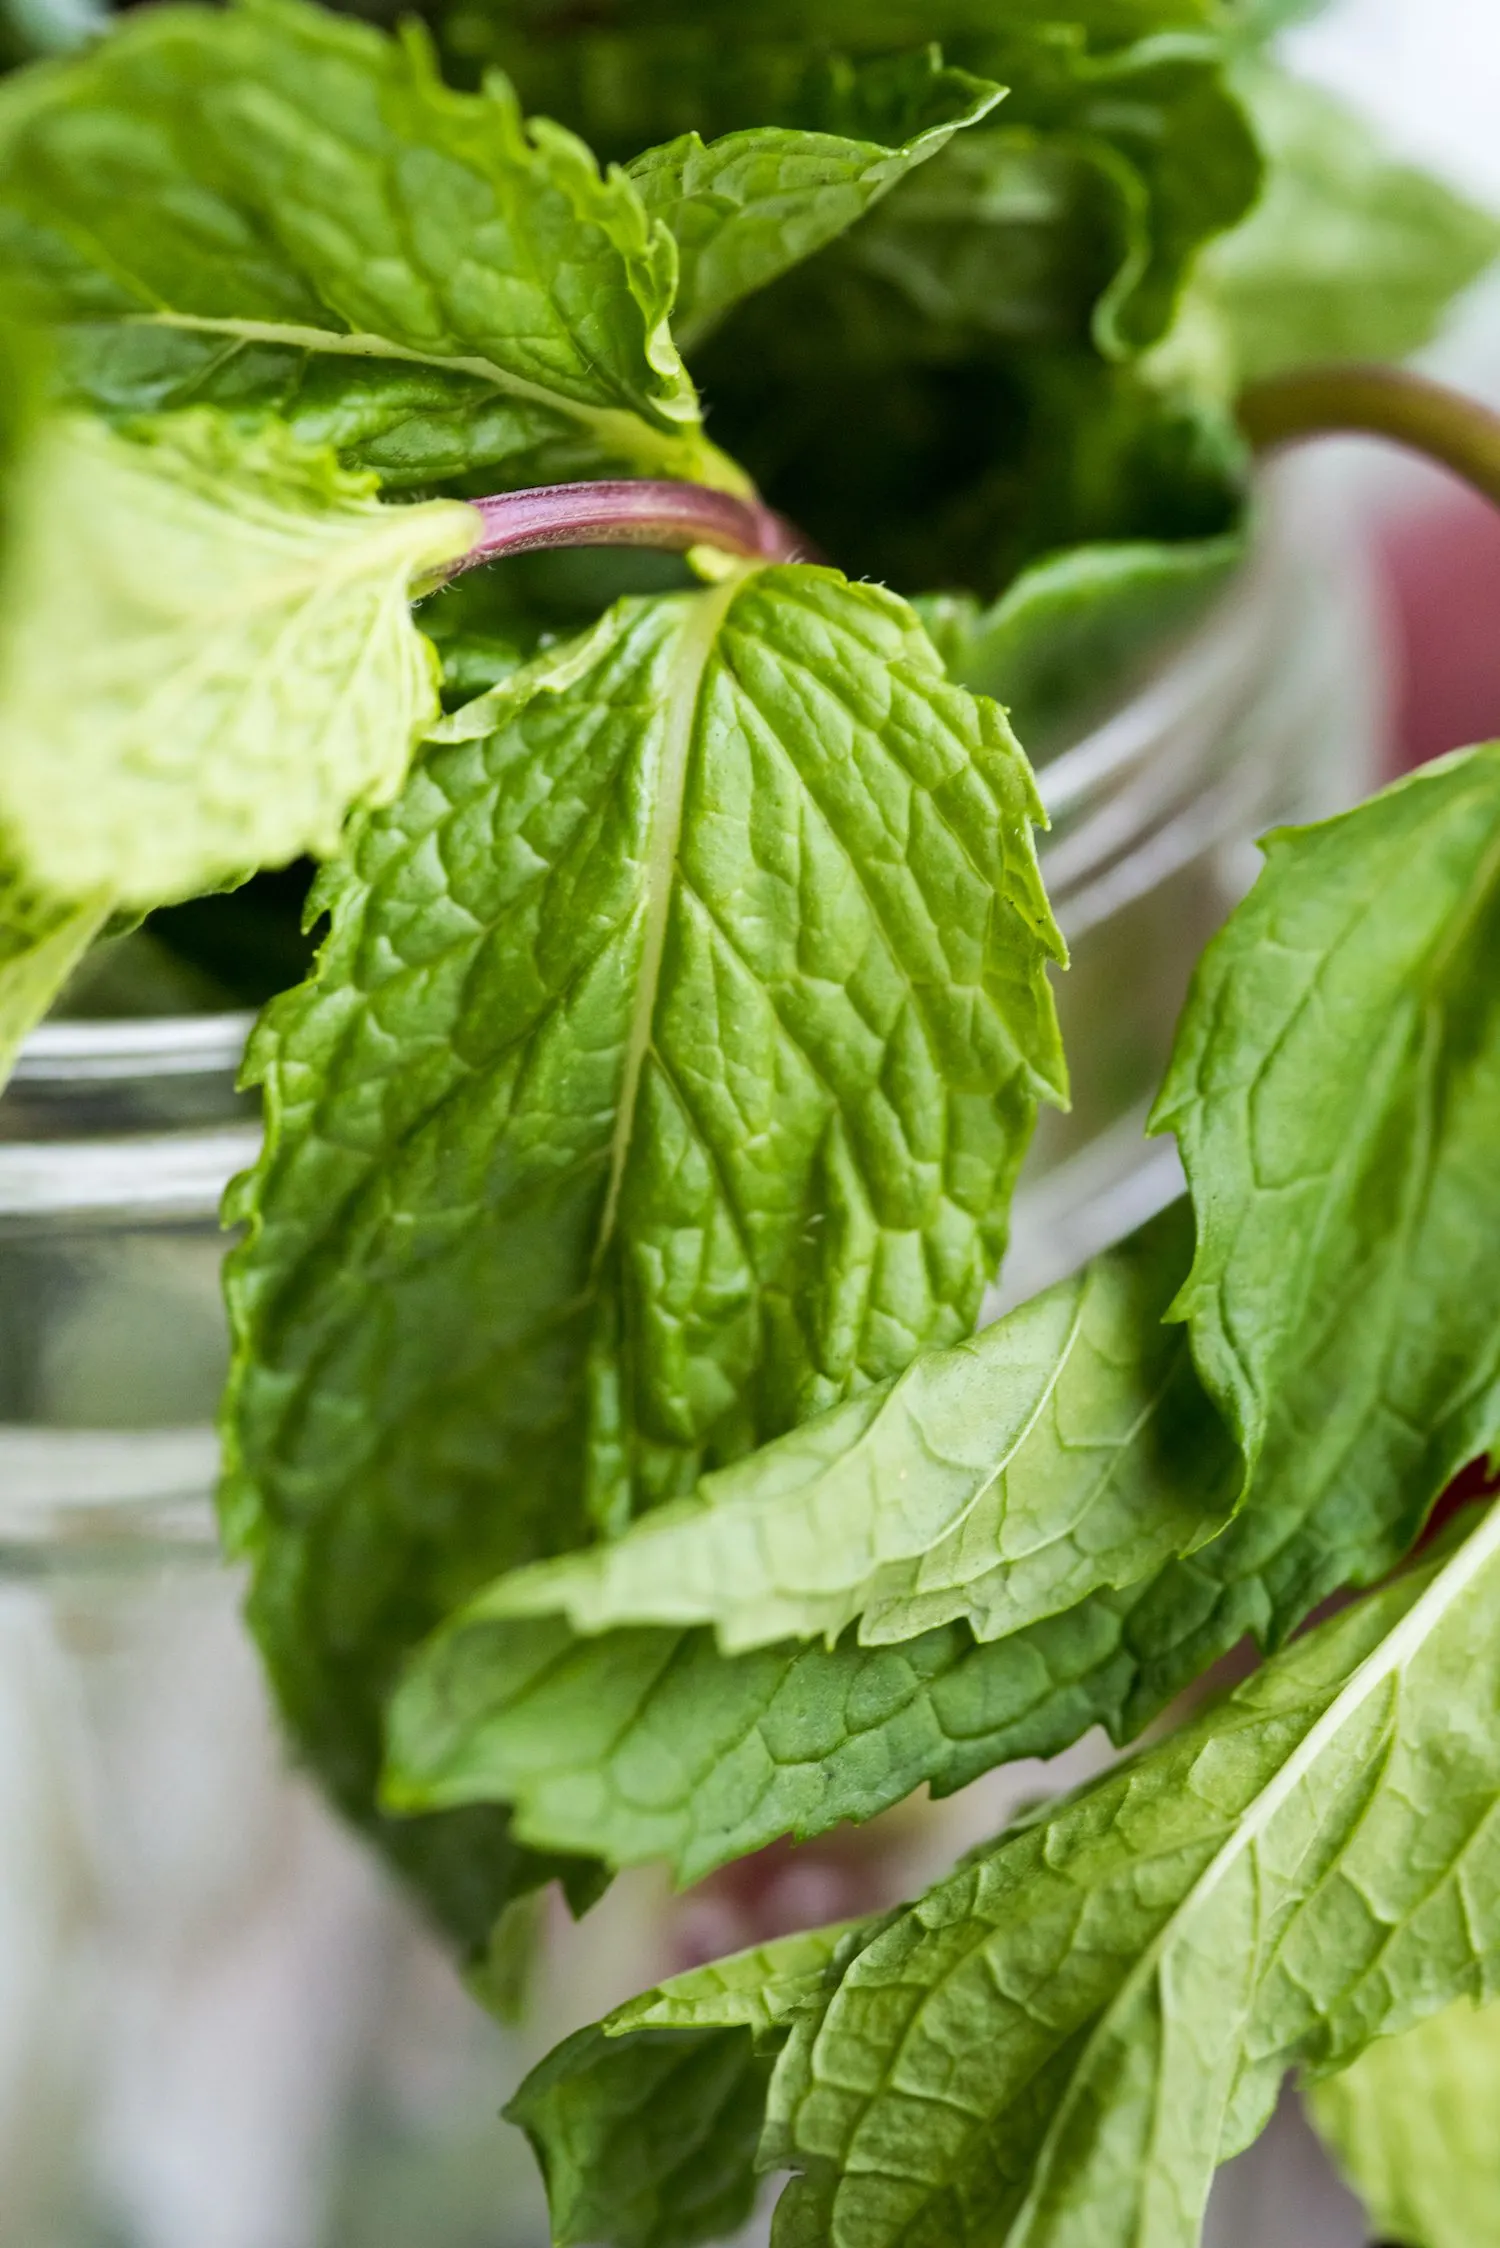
(1386, 1662)
(678, 741)
(620, 429)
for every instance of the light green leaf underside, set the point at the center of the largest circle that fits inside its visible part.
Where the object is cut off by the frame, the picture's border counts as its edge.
(649, 1744)
(1056, 2046)
(41, 943)
(646, 2125)
(1413, 2126)
(41, 938)
(270, 206)
(662, 1083)
(207, 655)
(997, 1482)
(746, 207)
(1349, 255)
(756, 1989)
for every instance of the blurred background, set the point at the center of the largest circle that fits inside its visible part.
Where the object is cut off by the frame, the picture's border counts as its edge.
(1427, 72)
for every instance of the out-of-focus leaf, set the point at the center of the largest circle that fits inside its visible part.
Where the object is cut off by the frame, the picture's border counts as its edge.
(1073, 636)
(1351, 254)
(207, 654)
(1412, 2126)
(42, 941)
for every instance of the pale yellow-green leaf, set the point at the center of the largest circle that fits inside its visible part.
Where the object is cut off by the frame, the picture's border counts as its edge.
(1415, 2127)
(207, 654)
(41, 942)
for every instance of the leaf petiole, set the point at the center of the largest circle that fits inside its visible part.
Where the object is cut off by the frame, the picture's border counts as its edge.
(1409, 409)
(649, 512)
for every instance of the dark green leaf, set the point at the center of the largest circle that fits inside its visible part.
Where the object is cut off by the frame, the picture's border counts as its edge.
(1127, 134)
(932, 459)
(269, 207)
(1334, 1088)
(646, 2125)
(662, 1081)
(628, 76)
(1161, 117)
(745, 208)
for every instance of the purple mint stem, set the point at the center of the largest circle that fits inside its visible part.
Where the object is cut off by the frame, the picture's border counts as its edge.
(625, 513)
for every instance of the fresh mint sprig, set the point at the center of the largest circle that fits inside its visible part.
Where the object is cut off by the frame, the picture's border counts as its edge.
(1337, 1072)
(1060, 2041)
(616, 1469)
(664, 1078)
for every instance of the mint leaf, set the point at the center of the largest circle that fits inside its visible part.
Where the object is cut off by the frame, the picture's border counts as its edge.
(1074, 634)
(22, 391)
(628, 78)
(1167, 110)
(663, 1080)
(274, 208)
(42, 941)
(1059, 2043)
(42, 938)
(1061, 2040)
(649, 1744)
(1412, 2126)
(1068, 1447)
(1115, 167)
(1334, 1086)
(646, 2125)
(926, 396)
(1349, 255)
(1128, 149)
(1017, 235)
(241, 665)
(1375, 1380)
(746, 207)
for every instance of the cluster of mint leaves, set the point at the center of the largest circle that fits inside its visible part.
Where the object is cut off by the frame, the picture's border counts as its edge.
(617, 1471)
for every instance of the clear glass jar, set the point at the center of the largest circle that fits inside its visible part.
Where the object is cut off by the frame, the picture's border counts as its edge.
(218, 2029)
